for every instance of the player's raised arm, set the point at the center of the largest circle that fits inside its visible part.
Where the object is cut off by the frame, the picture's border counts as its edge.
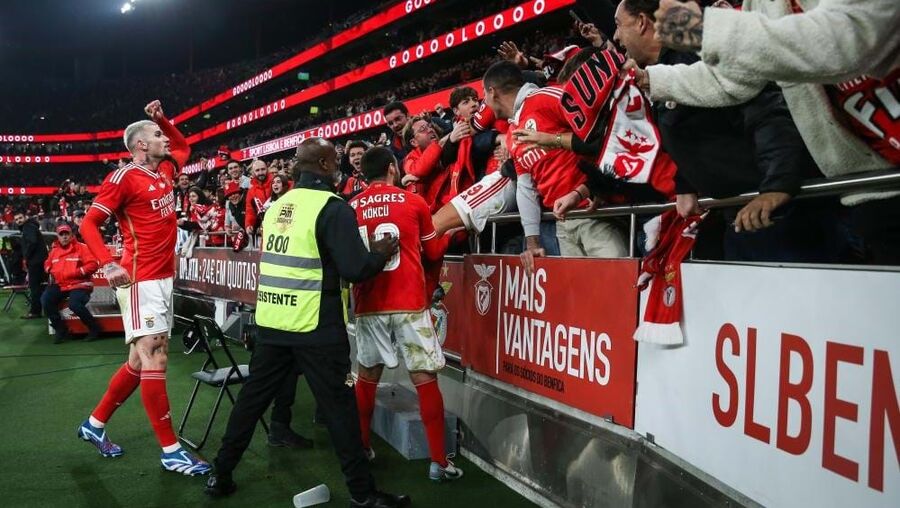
(178, 146)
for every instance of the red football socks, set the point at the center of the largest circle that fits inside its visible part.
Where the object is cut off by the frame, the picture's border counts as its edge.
(431, 408)
(121, 385)
(365, 403)
(156, 404)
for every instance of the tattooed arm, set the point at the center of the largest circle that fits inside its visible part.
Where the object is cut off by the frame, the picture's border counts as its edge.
(835, 41)
(679, 25)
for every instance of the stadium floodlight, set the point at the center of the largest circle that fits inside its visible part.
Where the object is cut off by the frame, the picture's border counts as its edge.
(126, 8)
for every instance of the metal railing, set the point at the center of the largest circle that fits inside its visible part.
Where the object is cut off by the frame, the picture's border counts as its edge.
(860, 182)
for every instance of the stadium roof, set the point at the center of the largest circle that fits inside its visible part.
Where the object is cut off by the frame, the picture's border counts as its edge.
(45, 37)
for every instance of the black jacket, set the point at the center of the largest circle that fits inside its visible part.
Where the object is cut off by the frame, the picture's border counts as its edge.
(344, 256)
(34, 250)
(398, 147)
(238, 211)
(722, 152)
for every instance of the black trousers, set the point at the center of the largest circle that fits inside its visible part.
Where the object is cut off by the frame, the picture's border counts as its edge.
(284, 400)
(327, 371)
(804, 232)
(35, 286)
(78, 299)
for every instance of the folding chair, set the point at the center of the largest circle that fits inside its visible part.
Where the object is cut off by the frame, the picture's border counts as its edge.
(14, 291)
(204, 334)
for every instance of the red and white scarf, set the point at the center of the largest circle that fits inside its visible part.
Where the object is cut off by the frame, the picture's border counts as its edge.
(599, 100)
(670, 238)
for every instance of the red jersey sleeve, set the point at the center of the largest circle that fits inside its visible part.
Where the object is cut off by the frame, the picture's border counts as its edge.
(484, 118)
(178, 146)
(112, 193)
(90, 232)
(432, 249)
(110, 198)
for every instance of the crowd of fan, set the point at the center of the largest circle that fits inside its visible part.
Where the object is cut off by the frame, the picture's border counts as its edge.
(758, 144)
(96, 106)
(538, 43)
(99, 106)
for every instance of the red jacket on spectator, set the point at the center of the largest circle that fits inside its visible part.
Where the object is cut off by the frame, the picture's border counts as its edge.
(257, 195)
(426, 166)
(71, 266)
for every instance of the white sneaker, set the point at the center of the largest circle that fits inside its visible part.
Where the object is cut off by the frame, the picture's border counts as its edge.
(450, 472)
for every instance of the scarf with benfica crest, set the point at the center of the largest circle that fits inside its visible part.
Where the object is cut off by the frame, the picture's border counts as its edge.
(600, 101)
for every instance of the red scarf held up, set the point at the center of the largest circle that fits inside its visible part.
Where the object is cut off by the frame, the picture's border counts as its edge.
(462, 173)
(599, 101)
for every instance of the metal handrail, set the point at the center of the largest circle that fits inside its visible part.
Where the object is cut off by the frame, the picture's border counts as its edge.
(869, 181)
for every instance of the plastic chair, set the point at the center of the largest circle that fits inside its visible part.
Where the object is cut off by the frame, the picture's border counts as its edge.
(202, 335)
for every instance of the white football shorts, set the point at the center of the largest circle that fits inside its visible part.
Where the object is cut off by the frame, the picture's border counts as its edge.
(492, 195)
(379, 336)
(146, 308)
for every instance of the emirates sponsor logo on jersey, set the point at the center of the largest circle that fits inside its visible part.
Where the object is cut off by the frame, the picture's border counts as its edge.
(483, 288)
(165, 204)
(531, 157)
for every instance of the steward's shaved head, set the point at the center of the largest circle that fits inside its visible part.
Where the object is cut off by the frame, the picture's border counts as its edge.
(313, 156)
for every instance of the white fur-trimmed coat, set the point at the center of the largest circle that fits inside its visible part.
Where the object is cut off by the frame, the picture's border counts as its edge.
(833, 41)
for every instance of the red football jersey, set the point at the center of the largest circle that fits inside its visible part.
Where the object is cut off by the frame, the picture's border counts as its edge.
(865, 104)
(386, 209)
(144, 204)
(554, 170)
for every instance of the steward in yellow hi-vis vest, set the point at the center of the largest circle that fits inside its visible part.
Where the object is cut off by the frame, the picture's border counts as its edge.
(310, 243)
(290, 269)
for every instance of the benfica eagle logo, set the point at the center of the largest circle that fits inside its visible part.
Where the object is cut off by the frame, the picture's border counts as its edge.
(630, 162)
(483, 288)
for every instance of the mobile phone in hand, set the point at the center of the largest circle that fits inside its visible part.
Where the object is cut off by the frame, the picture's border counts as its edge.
(575, 17)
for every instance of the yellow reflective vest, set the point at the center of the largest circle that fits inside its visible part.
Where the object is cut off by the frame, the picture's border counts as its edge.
(289, 294)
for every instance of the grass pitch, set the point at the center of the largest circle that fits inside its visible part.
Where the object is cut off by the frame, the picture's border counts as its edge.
(46, 390)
